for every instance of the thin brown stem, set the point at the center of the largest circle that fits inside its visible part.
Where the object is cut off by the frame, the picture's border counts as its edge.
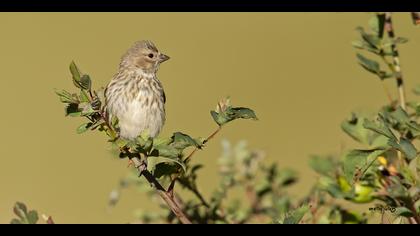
(204, 142)
(213, 134)
(166, 196)
(195, 191)
(201, 198)
(396, 61)
(388, 94)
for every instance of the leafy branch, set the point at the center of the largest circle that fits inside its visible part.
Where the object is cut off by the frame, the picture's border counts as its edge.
(387, 170)
(26, 216)
(153, 158)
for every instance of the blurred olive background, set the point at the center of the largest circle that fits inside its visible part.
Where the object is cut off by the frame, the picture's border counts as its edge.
(297, 70)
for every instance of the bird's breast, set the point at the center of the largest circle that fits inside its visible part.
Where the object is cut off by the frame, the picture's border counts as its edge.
(139, 107)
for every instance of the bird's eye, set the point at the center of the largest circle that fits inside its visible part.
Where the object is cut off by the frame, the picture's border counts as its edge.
(150, 55)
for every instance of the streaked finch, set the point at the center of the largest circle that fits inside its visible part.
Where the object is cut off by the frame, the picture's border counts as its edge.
(135, 95)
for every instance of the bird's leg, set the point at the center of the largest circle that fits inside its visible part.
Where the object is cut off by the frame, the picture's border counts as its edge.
(139, 162)
(130, 163)
(142, 168)
(129, 155)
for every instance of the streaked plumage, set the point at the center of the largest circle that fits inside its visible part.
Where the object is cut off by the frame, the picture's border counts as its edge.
(135, 96)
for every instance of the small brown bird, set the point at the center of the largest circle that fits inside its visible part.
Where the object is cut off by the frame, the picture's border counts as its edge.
(135, 95)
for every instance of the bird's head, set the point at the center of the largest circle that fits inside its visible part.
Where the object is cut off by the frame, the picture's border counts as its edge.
(143, 55)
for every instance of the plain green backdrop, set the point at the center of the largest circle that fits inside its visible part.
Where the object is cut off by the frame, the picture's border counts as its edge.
(296, 70)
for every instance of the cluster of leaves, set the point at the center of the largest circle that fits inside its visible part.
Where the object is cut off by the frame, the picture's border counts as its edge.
(86, 103)
(225, 113)
(242, 172)
(386, 170)
(376, 43)
(249, 191)
(26, 216)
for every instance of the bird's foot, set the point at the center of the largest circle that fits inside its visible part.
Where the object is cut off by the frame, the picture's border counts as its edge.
(130, 163)
(142, 167)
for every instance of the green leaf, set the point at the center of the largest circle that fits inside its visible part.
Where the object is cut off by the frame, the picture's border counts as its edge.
(387, 45)
(398, 190)
(405, 146)
(144, 141)
(218, 118)
(370, 65)
(286, 177)
(73, 110)
(357, 162)
(25, 217)
(121, 143)
(182, 141)
(370, 39)
(362, 193)
(400, 115)
(415, 106)
(364, 46)
(66, 97)
(225, 113)
(16, 222)
(143, 138)
(166, 151)
(162, 141)
(403, 211)
(296, 216)
(20, 210)
(84, 97)
(381, 127)
(233, 113)
(373, 67)
(384, 75)
(86, 82)
(331, 186)
(400, 120)
(400, 40)
(413, 173)
(84, 127)
(380, 142)
(32, 217)
(153, 161)
(344, 184)
(355, 129)
(358, 44)
(376, 24)
(86, 109)
(323, 166)
(164, 169)
(243, 113)
(195, 168)
(75, 72)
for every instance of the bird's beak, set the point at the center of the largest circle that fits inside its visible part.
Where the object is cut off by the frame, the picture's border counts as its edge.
(163, 57)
